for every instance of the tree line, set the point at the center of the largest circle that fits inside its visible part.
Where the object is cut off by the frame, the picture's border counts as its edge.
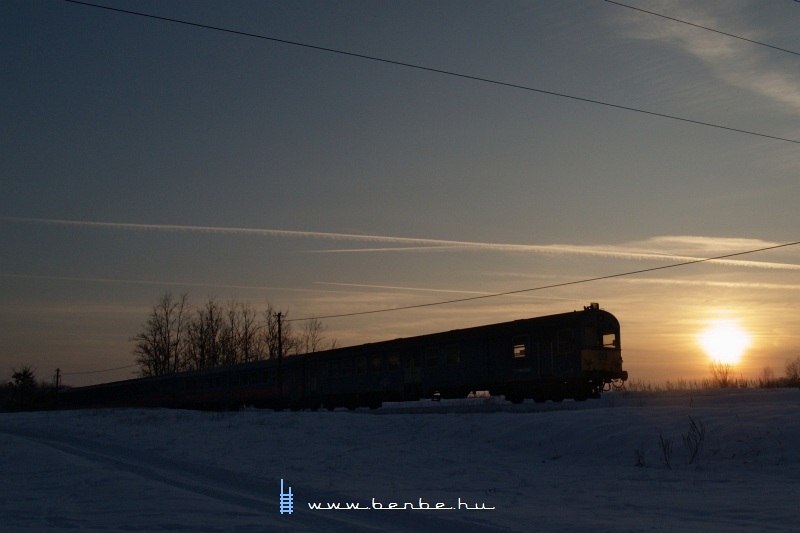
(177, 336)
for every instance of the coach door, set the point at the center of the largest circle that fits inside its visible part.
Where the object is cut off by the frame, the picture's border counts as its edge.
(412, 375)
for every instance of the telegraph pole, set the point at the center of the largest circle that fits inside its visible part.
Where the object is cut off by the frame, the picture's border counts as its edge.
(58, 385)
(278, 315)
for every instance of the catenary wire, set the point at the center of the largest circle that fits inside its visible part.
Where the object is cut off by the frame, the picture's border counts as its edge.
(551, 286)
(495, 295)
(440, 71)
(705, 27)
(97, 371)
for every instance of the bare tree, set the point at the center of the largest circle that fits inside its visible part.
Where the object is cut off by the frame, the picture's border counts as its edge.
(767, 378)
(230, 333)
(174, 338)
(239, 335)
(311, 338)
(722, 375)
(204, 346)
(793, 372)
(251, 345)
(160, 346)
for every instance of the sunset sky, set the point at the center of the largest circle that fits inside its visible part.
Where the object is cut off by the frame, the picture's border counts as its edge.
(140, 156)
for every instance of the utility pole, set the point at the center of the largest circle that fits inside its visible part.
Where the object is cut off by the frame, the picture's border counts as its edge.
(278, 315)
(58, 385)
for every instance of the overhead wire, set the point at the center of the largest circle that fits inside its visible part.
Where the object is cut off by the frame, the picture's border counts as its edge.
(551, 286)
(752, 41)
(97, 371)
(499, 294)
(439, 71)
(504, 84)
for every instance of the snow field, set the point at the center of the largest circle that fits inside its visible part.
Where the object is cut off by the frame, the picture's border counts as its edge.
(557, 467)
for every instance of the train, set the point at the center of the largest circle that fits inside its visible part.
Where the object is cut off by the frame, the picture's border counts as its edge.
(568, 355)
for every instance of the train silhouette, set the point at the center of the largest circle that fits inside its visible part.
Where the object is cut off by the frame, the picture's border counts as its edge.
(568, 355)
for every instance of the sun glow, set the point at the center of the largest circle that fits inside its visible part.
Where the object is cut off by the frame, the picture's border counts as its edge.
(724, 341)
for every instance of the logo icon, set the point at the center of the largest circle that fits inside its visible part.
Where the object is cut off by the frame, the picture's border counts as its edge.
(287, 500)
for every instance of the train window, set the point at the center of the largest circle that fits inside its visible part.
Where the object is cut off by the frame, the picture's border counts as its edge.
(610, 340)
(565, 341)
(377, 364)
(361, 365)
(452, 355)
(393, 362)
(520, 346)
(347, 367)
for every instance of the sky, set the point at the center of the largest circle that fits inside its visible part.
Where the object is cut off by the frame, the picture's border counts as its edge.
(140, 156)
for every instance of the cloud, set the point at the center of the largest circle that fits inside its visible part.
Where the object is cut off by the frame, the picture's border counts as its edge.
(664, 248)
(159, 282)
(737, 63)
(722, 284)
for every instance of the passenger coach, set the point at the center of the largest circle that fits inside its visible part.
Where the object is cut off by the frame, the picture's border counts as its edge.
(568, 355)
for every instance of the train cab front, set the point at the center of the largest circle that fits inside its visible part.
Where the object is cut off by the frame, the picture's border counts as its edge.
(601, 350)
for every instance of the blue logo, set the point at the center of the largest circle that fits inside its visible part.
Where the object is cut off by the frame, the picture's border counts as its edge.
(287, 500)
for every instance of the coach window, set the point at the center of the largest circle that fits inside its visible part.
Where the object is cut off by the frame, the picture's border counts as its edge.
(452, 355)
(565, 341)
(377, 364)
(520, 346)
(610, 339)
(393, 362)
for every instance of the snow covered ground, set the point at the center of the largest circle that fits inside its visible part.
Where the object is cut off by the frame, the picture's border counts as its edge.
(552, 467)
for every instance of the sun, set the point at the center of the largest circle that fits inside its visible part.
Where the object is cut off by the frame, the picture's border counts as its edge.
(724, 341)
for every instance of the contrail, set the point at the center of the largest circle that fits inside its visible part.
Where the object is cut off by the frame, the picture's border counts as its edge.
(418, 244)
(423, 289)
(158, 282)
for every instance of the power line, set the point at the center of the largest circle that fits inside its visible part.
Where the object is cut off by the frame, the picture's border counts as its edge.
(705, 27)
(97, 371)
(552, 286)
(437, 71)
(495, 295)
